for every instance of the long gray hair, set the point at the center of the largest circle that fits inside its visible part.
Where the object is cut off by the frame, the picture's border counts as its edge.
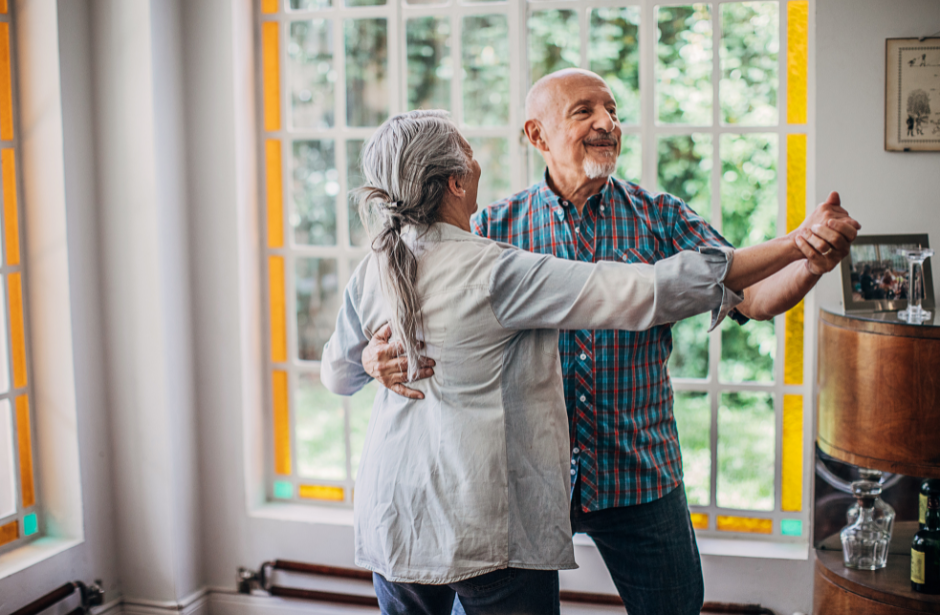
(407, 165)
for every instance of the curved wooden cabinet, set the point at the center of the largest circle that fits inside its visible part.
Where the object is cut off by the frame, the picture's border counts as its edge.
(879, 393)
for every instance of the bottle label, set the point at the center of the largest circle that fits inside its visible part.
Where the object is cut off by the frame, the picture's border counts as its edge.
(917, 567)
(922, 517)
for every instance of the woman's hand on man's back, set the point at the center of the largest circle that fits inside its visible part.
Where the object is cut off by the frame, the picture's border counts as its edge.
(381, 360)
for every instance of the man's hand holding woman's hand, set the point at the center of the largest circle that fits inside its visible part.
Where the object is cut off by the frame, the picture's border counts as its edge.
(383, 361)
(825, 236)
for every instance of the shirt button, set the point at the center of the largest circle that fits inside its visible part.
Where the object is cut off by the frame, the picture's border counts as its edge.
(573, 471)
(602, 208)
(576, 450)
(625, 257)
(583, 398)
(583, 356)
(577, 230)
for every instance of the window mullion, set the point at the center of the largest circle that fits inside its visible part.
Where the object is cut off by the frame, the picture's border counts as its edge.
(518, 62)
(648, 42)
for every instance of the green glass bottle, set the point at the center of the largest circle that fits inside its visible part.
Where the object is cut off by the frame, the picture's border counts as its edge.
(928, 487)
(925, 551)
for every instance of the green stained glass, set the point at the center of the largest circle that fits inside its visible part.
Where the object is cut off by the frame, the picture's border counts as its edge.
(791, 527)
(30, 524)
(283, 490)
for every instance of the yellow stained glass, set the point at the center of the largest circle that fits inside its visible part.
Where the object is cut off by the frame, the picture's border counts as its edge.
(278, 309)
(793, 345)
(10, 215)
(269, 6)
(797, 60)
(700, 521)
(17, 329)
(6, 84)
(321, 492)
(24, 443)
(796, 180)
(791, 484)
(271, 75)
(4, 7)
(282, 463)
(9, 532)
(750, 525)
(275, 194)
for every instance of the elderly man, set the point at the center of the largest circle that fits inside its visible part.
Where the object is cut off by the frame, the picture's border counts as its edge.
(626, 469)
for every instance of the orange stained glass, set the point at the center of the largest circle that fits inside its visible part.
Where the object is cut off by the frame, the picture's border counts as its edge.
(321, 492)
(282, 463)
(6, 84)
(791, 483)
(278, 309)
(749, 525)
(275, 193)
(17, 329)
(24, 442)
(4, 7)
(9, 532)
(269, 6)
(270, 62)
(10, 214)
(797, 60)
(700, 521)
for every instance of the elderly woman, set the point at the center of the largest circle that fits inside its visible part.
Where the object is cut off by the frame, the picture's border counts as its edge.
(466, 491)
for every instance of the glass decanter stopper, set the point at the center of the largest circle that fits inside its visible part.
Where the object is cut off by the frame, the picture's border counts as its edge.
(864, 542)
(883, 514)
(915, 312)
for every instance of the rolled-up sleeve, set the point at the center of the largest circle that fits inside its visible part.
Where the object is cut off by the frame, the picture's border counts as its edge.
(537, 291)
(341, 368)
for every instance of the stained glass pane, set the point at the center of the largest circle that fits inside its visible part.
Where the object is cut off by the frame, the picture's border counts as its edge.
(699, 520)
(6, 84)
(330, 493)
(4, 368)
(10, 210)
(9, 532)
(271, 78)
(684, 65)
(267, 6)
(283, 490)
(630, 162)
(281, 423)
(693, 419)
(493, 156)
(791, 527)
(24, 446)
(318, 297)
(746, 445)
(30, 524)
(274, 181)
(7, 463)
(750, 42)
(354, 179)
(278, 316)
(554, 42)
(366, 71)
(791, 471)
(684, 170)
(315, 187)
(797, 60)
(689, 358)
(312, 74)
(319, 426)
(614, 54)
(360, 409)
(485, 42)
(17, 329)
(748, 525)
(430, 65)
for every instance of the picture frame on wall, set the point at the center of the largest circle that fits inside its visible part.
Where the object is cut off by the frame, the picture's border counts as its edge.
(912, 95)
(874, 275)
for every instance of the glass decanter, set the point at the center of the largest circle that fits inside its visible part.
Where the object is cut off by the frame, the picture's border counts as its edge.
(864, 542)
(884, 514)
(915, 312)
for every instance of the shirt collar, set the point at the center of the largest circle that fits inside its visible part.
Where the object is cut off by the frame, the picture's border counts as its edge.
(558, 206)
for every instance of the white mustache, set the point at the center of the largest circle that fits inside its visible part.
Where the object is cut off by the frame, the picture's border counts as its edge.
(600, 141)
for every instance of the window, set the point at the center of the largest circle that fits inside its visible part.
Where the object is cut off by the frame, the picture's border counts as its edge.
(713, 101)
(19, 518)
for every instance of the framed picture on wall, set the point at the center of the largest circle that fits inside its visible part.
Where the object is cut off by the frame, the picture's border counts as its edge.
(912, 95)
(875, 276)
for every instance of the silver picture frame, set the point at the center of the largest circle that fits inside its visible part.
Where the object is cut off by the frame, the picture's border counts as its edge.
(878, 250)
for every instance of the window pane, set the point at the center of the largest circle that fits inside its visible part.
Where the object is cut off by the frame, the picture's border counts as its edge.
(689, 357)
(7, 466)
(684, 65)
(684, 170)
(493, 156)
(360, 409)
(430, 66)
(321, 440)
(4, 348)
(748, 188)
(746, 451)
(366, 71)
(554, 42)
(312, 74)
(536, 165)
(427, 1)
(354, 179)
(693, 419)
(318, 297)
(315, 187)
(364, 2)
(747, 352)
(629, 164)
(485, 43)
(750, 40)
(310, 5)
(614, 54)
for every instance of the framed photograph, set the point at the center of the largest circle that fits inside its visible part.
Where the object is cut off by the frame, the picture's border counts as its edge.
(875, 276)
(912, 95)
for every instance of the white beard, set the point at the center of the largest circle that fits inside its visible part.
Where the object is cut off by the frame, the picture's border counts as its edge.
(596, 170)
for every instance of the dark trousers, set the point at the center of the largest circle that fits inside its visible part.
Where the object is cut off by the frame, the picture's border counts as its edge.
(510, 591)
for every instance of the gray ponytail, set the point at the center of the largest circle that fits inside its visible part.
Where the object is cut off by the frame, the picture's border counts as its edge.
(407, 165)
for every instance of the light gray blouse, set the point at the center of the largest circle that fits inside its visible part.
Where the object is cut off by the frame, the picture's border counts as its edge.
(475, 477)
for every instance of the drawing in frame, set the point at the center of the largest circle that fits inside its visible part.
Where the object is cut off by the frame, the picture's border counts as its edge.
(912, 95)
(874, 275)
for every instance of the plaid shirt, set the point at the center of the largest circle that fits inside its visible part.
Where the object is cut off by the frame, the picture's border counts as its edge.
(624, 442)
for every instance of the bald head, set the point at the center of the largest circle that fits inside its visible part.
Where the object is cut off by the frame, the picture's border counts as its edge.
(548, 93)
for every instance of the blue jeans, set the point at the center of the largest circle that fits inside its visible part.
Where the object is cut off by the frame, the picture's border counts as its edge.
(510, 591)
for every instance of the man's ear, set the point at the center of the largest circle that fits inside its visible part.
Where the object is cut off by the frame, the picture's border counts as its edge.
(455, 186)
(533, 130)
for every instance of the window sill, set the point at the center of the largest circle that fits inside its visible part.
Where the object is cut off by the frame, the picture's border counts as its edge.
(33, 553)
(304, 513)
(734, 547)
